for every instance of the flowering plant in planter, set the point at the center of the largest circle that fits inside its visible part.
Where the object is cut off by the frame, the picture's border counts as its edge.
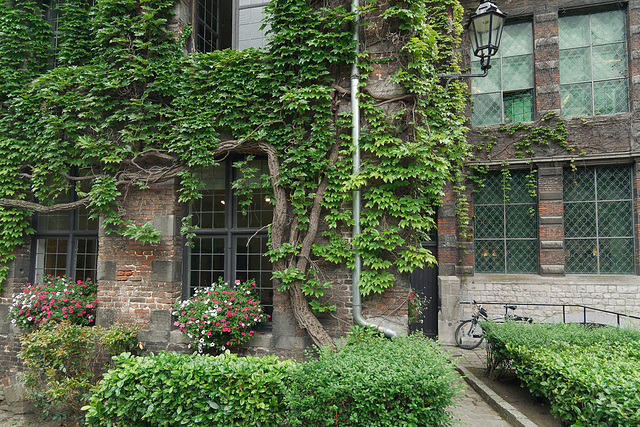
(56, 299)
(219, 316)
(417, 304)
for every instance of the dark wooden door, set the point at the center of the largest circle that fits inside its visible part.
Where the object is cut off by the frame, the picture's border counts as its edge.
(425, 282)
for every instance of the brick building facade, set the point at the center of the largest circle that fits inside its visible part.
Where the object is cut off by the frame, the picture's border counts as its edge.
(562, 65)
(139, 283)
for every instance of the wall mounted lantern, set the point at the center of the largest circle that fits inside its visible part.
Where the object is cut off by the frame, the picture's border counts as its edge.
(485, 31)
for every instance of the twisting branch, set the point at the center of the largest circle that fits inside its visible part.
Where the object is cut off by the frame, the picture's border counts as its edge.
(36, 207)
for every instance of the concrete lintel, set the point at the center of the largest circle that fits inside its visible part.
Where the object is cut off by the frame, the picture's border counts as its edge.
(547, 41)
(549, 170)
(551, 244)
(106, 270)
(166, 271)
(550, 195)
(105, 317)
(151, 336)
(447, 269)
(551, 220)
(552, 270)
(264, 340)
(161, 321)
(464, 270)
(166, 224)
(19, 268)
(545, 17)
(548, 65)
(5, 323)
(292, 343)
(542, 89)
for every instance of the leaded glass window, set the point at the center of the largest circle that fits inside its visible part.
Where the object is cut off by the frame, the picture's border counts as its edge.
(505, 95)
(593, 64)
(505, 225)
(598, 221)
(231, 238)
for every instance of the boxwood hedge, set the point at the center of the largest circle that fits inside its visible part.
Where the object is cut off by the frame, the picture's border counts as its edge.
(376, 382)
(171, 389)
(591, 376)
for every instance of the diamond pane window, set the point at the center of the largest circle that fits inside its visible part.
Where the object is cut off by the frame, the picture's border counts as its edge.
(232, 236)
(505, 95)
(598, 221)
(593, 64)
(505, 225)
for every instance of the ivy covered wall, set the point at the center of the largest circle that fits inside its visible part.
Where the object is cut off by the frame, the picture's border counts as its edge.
(117, 114)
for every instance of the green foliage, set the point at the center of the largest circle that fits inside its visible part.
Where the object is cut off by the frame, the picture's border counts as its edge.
(195, 390)
(375, 382)
(63, 362)
(123, 96)
(586, 386)
(590, 375)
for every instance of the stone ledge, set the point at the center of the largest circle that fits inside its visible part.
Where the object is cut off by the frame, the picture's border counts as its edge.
(552, 270)
(551, 244)
(551, 220)
(550, 195)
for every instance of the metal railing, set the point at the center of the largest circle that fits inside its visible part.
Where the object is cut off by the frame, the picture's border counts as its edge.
(564, 309)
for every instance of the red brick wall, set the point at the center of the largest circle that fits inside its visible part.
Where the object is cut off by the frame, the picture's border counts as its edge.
(133, 293)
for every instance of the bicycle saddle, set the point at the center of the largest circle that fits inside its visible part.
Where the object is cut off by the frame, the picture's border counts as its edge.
(511, 307)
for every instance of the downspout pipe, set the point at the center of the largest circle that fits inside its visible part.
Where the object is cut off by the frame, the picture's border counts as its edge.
(358, 318)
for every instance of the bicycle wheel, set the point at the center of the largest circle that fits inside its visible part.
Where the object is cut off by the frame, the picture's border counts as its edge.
(468, 335)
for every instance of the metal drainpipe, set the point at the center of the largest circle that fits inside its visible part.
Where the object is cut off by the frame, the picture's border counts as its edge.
(355, 110)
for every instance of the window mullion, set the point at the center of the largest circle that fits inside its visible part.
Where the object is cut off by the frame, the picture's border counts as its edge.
(597, 225)
(504, 230)
(502, 92)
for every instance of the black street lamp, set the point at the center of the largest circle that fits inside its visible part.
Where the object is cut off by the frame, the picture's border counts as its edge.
(485, 31)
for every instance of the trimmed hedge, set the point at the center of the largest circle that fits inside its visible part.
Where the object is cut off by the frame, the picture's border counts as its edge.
(591, 376)
(171, 389)
(405, 382)
(596, 385)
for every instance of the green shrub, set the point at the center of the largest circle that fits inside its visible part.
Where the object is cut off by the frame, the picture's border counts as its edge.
(536, 335)
(586, 386)
(375, 382)
(591, 376)
(171, 389)
(63, 361)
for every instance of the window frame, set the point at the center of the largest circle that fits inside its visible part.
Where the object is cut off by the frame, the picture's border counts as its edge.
(501, 90)
(592, 81)
(236, 17)
(230, 234)
(598, 237)
(506, 236)
(72, 234)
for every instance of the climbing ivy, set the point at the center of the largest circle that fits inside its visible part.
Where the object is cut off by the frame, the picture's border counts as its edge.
(117, 93)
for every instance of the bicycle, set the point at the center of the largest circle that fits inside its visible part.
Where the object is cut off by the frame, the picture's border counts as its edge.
(469, 333)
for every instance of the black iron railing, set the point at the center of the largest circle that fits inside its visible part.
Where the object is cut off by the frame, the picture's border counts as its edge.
(564, 309)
